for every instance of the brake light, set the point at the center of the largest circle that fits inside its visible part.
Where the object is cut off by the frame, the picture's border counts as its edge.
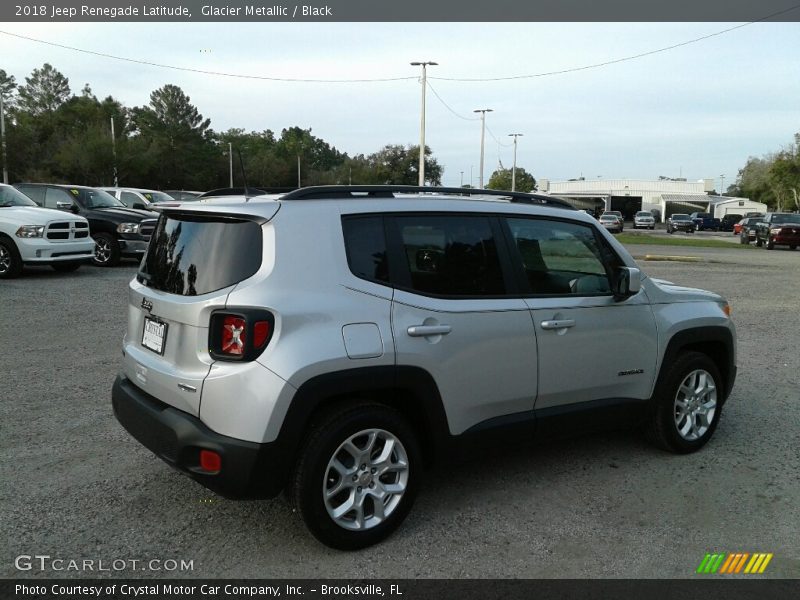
(260, 334)
(240, 334)
(233, 335)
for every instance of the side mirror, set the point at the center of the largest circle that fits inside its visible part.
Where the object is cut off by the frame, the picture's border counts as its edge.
(627, 282)
(64, 205)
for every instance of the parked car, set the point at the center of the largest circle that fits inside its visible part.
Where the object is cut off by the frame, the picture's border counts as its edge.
(746, 229)
(337, 340)
(611, 222)
(705, 221)
(617, 214)
(728, 222)
(644, 219)
(778, 229)
(30, 235)
(139, 198)
(118, 231)
(680, 222)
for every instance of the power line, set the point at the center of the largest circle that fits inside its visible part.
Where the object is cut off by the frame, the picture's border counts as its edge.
(499, 143)
(203, 71)
(388, 79)
(447, 106)
(618, 60)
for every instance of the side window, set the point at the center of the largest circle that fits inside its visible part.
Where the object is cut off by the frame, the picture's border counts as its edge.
(365, 244)
(34, 192)
(55, 196)
(561, 258)
(128, 198)
(451, 255)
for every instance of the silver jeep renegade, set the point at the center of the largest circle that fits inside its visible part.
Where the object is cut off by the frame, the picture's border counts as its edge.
(336, 341)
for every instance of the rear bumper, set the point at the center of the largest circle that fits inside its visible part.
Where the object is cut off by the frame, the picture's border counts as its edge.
(177, 438)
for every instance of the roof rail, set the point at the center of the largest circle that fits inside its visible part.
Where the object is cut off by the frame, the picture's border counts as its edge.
(318, 192)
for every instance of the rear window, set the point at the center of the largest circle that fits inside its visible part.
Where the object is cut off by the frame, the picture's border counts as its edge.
(191, 255)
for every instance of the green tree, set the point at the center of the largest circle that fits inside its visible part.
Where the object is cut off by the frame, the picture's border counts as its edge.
(8, 86)
(784, 177)
(44, 91)
(395, 164)
(501, 180)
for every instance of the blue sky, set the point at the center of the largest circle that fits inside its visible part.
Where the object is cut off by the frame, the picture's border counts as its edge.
(698, 111)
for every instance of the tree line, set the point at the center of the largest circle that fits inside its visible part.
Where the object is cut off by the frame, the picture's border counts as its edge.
(56, 136)
(773, 179)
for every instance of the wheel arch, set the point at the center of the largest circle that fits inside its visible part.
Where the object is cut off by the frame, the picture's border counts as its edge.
(716, 342)
(411, 391)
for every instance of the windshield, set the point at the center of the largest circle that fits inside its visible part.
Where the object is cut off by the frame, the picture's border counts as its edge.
(643, 213)
(157, 197)
(786, 218)
(680, 217)
(91, 198)
(11, 197)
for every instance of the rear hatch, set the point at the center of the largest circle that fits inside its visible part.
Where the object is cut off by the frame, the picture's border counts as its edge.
(193, 262)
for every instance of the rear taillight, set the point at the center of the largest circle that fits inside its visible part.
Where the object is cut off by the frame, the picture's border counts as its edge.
(239, 334)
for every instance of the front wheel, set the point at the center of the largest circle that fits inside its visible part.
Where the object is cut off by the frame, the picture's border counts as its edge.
(106, 250)
(743, 239)
(10, 260)
(357, 476)
(687, 404)
(759, 241)
(669, 230)
(769, 244)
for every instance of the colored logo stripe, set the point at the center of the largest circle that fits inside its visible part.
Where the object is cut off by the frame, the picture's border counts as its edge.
(727, 563)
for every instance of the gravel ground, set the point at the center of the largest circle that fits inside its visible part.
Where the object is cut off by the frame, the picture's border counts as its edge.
(74, 485)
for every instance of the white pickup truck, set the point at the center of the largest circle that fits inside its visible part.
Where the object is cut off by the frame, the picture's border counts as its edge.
(32, 235)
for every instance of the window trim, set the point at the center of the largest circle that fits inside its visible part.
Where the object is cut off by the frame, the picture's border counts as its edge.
(518, 264)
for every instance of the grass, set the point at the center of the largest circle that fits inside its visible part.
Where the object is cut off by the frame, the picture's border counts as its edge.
(683, 240)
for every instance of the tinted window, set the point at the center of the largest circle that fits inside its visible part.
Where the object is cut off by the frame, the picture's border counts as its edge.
(55, 196)
(129, 199)
(451, 256)
(91, 198)
(11, 197)
(190, 256)
(34, 192)
(365, 244)
(561, 258)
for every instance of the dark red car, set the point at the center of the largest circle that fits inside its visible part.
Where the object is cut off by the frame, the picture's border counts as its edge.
(779, 229)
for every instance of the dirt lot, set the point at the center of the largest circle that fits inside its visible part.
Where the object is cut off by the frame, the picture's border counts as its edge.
(75, 485)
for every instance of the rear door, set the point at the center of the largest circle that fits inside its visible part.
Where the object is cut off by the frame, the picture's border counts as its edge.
(192, 264)
(590, 346)
(453, 316)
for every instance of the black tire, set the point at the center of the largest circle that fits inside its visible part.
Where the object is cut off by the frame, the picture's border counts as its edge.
(66, 267)
(669, 230)
(653, 227)
(106, 250)
(792, 247)
(323, 443)
(744, 239)
(10, 260)
(769, 244)
(662, 428)
(759, 241)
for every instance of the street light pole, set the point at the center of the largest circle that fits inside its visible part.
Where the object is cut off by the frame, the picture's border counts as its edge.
(514, 168)
(114, 152)
(3, 137)
(483, 112)
(721, 184)
(424, 66)
(230, 163)
(462, 178)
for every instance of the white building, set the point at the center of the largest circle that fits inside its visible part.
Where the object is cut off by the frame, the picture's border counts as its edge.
(663, 197)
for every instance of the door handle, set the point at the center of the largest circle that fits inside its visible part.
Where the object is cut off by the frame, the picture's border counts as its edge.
(558, 324)
(426, 330)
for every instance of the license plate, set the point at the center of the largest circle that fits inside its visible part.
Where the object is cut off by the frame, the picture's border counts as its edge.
(154, 336)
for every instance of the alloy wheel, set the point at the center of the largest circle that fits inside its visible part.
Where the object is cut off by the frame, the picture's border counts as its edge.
(365, 479)
(695, 405)
(5, 259)
(102, 251)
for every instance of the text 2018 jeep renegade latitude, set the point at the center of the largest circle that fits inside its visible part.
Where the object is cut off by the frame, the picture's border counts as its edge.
(335, 341)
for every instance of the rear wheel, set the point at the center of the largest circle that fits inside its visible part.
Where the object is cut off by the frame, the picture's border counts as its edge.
(357, 476)
(106, 250)
(66, 267)
(687, 404)
(10, 260)
(759, 241)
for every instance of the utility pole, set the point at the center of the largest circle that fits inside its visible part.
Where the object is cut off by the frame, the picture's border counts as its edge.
(3, 137)
(514, 168)
(424, 66)
(483, 112)
(462, 178)
(722, 185)
(230, 163)
(113, 152)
